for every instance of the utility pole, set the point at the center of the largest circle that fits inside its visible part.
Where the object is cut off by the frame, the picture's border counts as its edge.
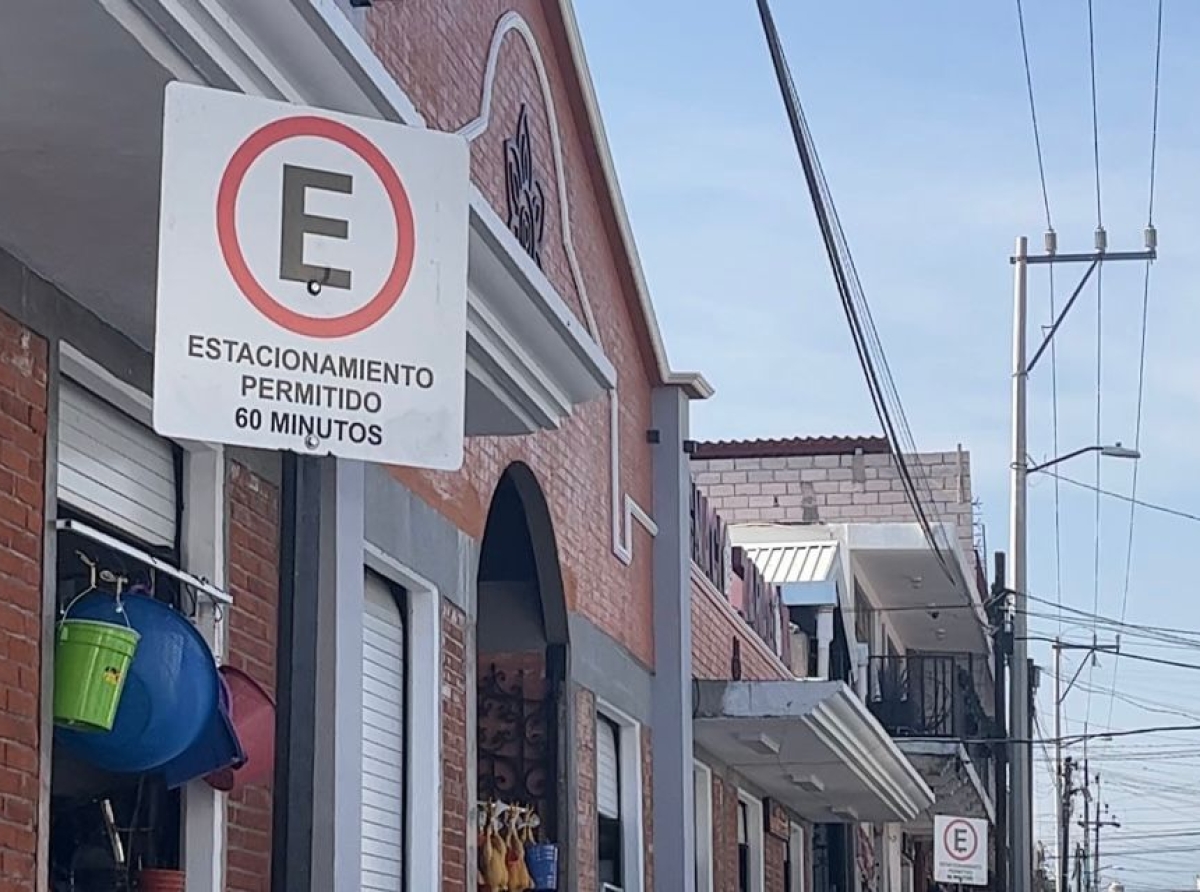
(1095, 826)
(1021, 760)
(1062, 769)
(1021, 811)
(1002, 633)
(1065, 793)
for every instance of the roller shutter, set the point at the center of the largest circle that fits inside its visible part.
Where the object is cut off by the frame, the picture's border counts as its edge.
(115, 469)
(608, 778)
(383, 740)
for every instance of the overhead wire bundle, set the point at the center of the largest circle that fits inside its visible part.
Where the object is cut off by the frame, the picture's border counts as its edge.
(867, 344)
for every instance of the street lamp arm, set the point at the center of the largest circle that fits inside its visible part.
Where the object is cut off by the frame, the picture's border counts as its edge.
(1062, 458)
(1114, 451)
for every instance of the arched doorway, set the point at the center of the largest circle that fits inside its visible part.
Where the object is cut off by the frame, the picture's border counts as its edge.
(521, 667)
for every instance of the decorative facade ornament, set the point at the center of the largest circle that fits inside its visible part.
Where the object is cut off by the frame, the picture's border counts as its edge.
(526, 198)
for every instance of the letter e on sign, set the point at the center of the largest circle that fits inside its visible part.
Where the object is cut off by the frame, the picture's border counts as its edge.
(961, 850)
(322, 258)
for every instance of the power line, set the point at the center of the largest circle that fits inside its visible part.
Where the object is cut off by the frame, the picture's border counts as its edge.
(1141, 386)
(1099, 314)
(1037, 136)
(864, 334)
(1174, 512)
(1095, 112)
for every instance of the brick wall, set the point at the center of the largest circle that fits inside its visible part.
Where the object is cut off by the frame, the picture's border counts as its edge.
(253, 531)
(715, 626)
(843, 488)
(774, 862)
(23, 407)
(437, 51)
(585, 779)
(725, 839)
(455, 809)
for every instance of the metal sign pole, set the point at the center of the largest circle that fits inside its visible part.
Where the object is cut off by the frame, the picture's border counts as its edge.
(296, 681)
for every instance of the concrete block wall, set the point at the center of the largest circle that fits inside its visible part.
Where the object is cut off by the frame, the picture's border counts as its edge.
(852, 487)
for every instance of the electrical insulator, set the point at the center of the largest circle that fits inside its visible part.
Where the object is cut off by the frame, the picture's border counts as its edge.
(1051, 242)
(1101, 239)
(1151, 238)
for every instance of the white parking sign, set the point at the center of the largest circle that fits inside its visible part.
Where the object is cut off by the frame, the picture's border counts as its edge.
(312, 281)
(960, 850)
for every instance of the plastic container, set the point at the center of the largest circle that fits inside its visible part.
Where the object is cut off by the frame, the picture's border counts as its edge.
(170, 692)
(161, 880)
(91, 663)
(542, 861)
(253, 714)
(217, 748)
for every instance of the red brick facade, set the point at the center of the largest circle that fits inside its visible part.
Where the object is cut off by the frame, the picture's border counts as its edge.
(437, 51)
(23, 408)
(253, 523)
(715, 628)
(455, 802)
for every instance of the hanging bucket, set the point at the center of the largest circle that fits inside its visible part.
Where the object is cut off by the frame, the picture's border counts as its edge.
(91, 663)
(170, 695)
(542, 861)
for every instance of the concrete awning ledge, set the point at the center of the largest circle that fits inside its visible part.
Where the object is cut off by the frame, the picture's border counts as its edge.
(813, 745)
(947, 768)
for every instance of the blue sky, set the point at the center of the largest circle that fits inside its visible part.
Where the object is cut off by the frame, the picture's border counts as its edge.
(921, 119)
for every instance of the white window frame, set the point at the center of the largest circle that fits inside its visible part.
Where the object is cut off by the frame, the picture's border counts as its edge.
(629, 755)
(756, 839)
(423, 743)
(203, 539)
(702, 780)
(797, 843)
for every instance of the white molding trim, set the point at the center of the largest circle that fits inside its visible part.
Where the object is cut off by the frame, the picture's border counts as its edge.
(798, 855)
(625, 509)
(423, 748)
(513, 21)
(756, 838)
(703, 822)
(84, 370)
(629, 746)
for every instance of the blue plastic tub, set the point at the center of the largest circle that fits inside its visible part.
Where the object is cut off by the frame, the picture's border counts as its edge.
(171, 693)
(218, 747)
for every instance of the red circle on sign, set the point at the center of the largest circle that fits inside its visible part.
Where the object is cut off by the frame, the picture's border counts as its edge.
(262, 300)
(950, 849)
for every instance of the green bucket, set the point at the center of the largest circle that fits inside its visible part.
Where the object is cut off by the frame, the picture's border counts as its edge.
(91, 660)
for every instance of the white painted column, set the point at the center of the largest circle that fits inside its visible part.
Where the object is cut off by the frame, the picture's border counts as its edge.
(204, 555)
(862, 658)
(824, 640)
(337, 828)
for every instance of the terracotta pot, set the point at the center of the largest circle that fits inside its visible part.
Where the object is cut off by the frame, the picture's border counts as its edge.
(161, 881)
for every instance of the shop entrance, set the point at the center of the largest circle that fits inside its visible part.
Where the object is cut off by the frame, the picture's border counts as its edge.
(521, 634)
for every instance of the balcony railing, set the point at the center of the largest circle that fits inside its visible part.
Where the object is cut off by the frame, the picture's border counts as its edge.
(929, 695)
(737, 577)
